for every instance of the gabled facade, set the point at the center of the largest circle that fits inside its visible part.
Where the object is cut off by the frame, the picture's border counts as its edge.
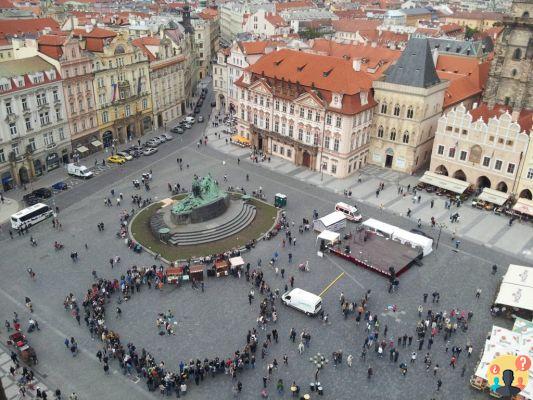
(410, 99)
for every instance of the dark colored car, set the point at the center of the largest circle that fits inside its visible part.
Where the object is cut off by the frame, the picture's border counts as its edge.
(197, 110)
(42, 193)
(60, 186)
(30, 199)
(213, 104)
(177, 129)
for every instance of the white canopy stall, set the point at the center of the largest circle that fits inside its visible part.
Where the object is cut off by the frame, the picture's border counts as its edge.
(329, 237)
(493, 196)
(444, 182)
(332, 222)
(400, 235)
(516, 289)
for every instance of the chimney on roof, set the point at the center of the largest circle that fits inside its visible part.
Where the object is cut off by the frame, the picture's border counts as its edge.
(356, 64)
(374, 45)
(87, 28)
(474, 106)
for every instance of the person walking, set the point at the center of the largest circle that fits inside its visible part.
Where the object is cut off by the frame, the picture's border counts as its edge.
(439, 384)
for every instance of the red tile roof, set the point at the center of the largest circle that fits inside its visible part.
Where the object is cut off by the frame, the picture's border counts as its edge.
(275, 20)
(525, 118)
(478, 15)
(208, 13)
(141, 43)
(355, 25)
(370, 56)
(95, 33)
(451, 28)
(256, 47)
(52, 40)
(349, 14)
(294, 5)
(6, 4)
(11, 27)
(323, 72)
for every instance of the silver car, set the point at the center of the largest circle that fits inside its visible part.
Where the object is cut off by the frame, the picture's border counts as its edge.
(149, 151)
(167, 136)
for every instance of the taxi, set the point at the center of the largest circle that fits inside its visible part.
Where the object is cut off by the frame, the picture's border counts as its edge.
(116, 159)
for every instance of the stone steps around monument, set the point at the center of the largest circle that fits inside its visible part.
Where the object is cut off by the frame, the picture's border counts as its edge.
(241, 221)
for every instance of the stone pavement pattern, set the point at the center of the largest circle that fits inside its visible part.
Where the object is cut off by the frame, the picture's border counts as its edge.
(476, 225)
(215, 322)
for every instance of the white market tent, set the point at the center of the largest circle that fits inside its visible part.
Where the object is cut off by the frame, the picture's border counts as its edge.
(444, 182)
(493, 196)
(516, 289)
(332, 222)
(524, 206)
(400, 235)
(329, 237)
(236, 261)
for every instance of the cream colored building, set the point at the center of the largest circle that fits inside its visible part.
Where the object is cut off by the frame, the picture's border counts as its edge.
(483, 147)
(312, 110)
(170, 73)
(410, 98)
(121, 86)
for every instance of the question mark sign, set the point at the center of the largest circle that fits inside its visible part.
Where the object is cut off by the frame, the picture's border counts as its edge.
(522, 363)
(495, 369)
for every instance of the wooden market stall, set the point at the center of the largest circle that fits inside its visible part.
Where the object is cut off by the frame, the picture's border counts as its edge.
(197, 272)
(221, 267)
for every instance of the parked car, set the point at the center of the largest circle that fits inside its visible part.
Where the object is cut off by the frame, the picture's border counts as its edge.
(60, 186)
(125, 155)
(190, 119)
(152, 143)
(177, 129)
(197, 110)
(200, 118)
(149, 151)
(213, 104)
(161, 138)
(187, 126)
(137, 148)
(303, 301)
(30, 199)
(42, 193)
(167, 136)
(116, 159)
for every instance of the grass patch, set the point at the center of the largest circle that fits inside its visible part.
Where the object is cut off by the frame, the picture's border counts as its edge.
(141, 232)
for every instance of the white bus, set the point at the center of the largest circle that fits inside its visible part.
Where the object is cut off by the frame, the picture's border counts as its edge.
(351, 212)
(31, 215)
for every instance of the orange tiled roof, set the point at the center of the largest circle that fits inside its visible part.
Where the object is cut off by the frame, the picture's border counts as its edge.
(294, 4)
(208, 13)
(370, 55)
(354, 25)
(430, 32)
(450, 28)
(6, 4)
(11, 27)
(323, 72)
(141, 43)
(256, 47)
(349, 14)
(96, 32)
(525, 118)
(275, 20)
(52, 40)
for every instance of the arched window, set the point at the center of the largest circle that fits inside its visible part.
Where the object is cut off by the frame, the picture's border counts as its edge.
(384, 108)
(393, 134)
(410, 112)
(517, 54)
(525, 14)
(397, 110)
(405, 138)
(513, 72)
(380, 132)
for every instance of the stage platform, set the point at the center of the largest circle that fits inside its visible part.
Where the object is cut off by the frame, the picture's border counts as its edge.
(377, 253)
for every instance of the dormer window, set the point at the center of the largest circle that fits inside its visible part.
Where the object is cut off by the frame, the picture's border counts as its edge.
(20, 81)
(4, 84)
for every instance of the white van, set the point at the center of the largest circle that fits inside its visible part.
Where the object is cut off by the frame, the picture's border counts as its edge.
(304, 301)
(190, 120)
(351, 212)
(79, 170)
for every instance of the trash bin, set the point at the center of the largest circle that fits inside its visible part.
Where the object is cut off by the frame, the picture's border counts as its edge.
(320, 390)
(312, 386)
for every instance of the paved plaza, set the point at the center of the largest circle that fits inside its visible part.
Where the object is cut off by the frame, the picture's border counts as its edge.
(215, 322)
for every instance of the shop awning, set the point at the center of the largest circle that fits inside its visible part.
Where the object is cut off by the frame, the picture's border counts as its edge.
(240, 139)
(96, 143)
(444, 182)
(515, 296)
(82, 149)
(236, 261)
(493, 196)
(524, 206)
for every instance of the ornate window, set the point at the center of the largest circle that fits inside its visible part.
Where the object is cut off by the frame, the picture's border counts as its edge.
(410, 112)
(380, 132)
(517, 54)
(393, 134)
(384, 108)
(397, 110)
(405, 138)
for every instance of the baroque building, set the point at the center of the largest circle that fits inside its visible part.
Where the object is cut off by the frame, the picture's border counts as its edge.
(511, 76)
